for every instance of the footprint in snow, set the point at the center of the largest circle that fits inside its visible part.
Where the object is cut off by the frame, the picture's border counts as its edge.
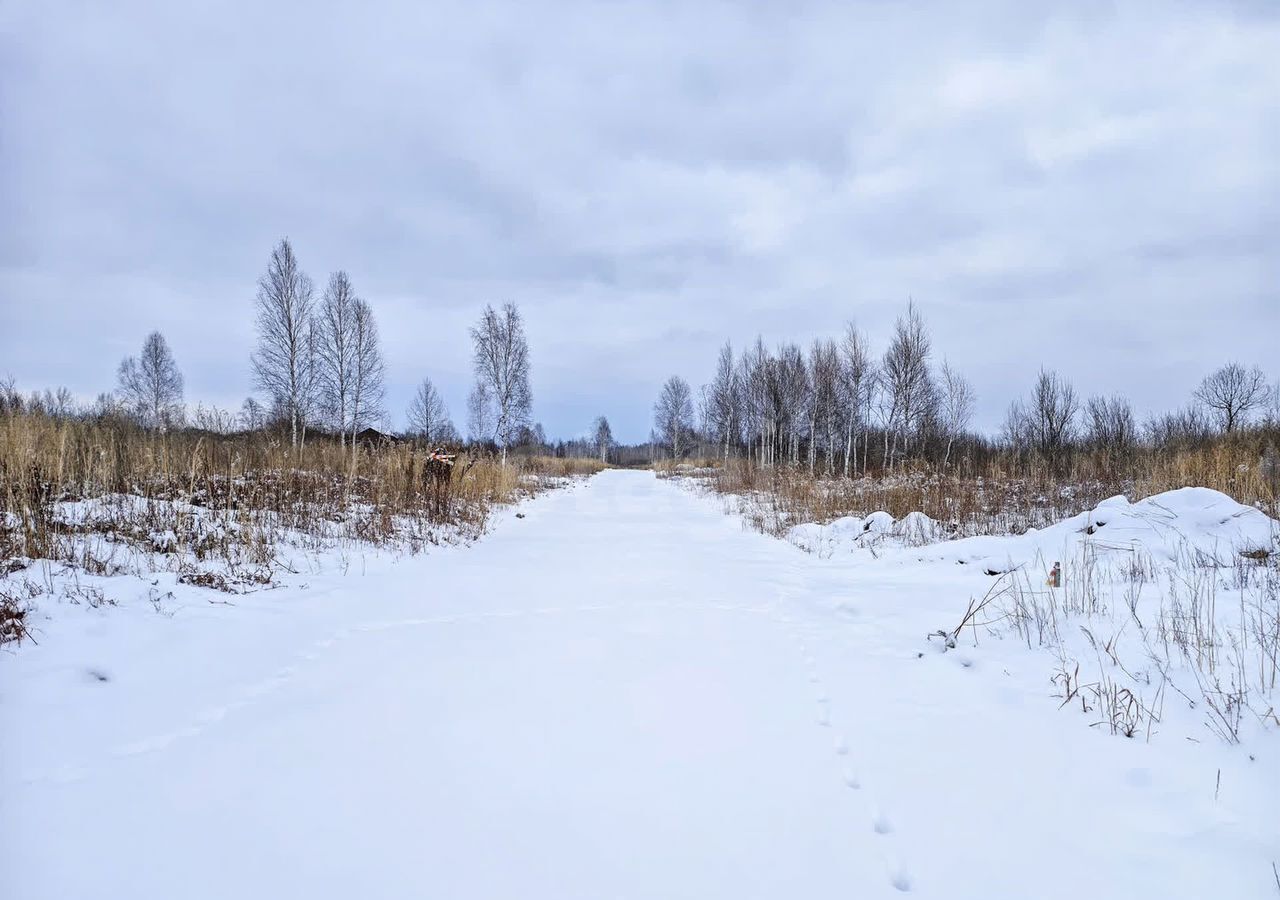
(881, 825)
(851, 779)
(842, 747)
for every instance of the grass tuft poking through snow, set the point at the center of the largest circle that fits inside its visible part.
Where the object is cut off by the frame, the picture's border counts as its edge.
(102, 498)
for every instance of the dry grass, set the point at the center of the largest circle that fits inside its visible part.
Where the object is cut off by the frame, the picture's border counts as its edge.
(1129, 636)
(1001, 499)
(108, 497)
(561, 467)
(1128, 639)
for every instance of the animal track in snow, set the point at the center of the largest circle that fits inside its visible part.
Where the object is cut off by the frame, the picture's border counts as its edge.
(880, 824)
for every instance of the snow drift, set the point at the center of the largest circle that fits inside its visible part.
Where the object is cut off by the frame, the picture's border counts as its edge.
(1202, 525)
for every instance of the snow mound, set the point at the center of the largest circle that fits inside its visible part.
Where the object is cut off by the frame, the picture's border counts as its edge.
(811, 538)
(1202, 526)
(878, 523)
(1197, 525)
(915, 529)
(878, 529)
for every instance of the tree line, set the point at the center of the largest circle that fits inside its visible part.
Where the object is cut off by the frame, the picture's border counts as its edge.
(318, 366)
(840, 408)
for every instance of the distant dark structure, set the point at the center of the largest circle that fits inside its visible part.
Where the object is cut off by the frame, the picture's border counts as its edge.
(372, 437)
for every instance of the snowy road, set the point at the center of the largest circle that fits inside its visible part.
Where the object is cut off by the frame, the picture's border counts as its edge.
(621, 695)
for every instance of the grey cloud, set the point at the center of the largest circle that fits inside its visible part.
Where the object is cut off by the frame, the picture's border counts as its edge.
(647, 180)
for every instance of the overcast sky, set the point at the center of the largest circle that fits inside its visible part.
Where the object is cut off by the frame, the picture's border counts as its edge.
(1093, 190)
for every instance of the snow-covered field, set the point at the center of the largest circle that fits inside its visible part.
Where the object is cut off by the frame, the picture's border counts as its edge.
(624, 693)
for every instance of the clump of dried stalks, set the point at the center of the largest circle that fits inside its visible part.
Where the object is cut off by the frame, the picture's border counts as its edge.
(108, 497)
(1143, 629)
(1001, 498)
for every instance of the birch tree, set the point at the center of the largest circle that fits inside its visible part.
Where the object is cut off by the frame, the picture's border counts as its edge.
(479, 414)
(857, 381)
(284, 304)
(150, 384)
(336, 350)
(673, 415)
(428, 415)
(501, 362)
(752, 378)
(906, 380)
(957, 403)
(792, 390)
(367, 388)
(724, 400)
(602, 434)
(824, 381)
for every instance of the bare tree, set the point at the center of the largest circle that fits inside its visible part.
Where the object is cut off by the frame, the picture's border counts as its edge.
(790, 399)
(1052, 415)
(1273, 406)
(957, 404)
(335, 350)
(212, 419)
(252, 416)
(723, 401)
(910, 394)
(151, 385)
(501, 361)
(11, 403)
(673, 415)
(428, 415)
(1231, 393)
(479, 414)
(1183, 428)
(58, 404)
(1111, 426)
(753, 379)
(367, 389)
(536, 436)
(857, 385)
(603, 436)
(1016, 430)
(311, 395)
(280, 363)
(824, 396)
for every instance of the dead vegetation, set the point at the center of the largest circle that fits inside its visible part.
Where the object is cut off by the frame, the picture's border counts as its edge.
(1003, 497)
(1131, 636)
(107, 497)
